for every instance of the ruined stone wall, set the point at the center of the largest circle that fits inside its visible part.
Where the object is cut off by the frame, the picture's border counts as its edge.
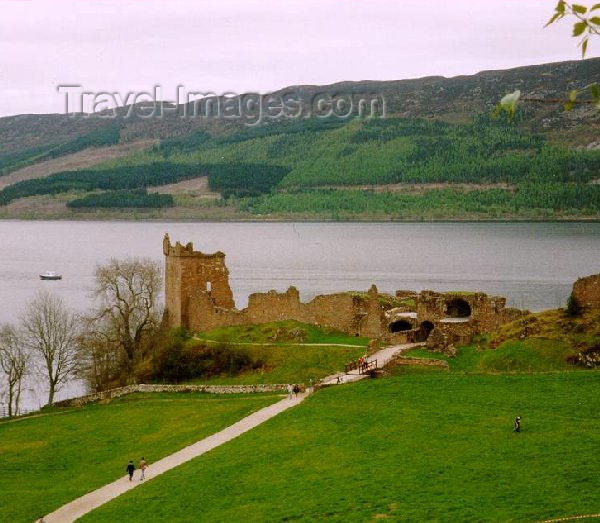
(269, 306)
(198, 297)
(587, 291)
(188, 271)
(341, 311)
(486, 314)
(373, 322)
(204, 315)
(446, 337)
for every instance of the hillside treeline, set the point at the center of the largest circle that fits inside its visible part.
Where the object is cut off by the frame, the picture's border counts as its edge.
(288, 167)
(106, 136)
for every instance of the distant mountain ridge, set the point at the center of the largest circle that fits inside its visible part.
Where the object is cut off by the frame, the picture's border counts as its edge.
(438, 154)
(455, 99)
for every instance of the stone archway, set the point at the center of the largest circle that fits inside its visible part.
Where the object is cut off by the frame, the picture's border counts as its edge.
(400, 326)
(457, 308)
(425, 330)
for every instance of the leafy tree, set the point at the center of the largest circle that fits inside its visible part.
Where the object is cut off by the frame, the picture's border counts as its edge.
(586, 23)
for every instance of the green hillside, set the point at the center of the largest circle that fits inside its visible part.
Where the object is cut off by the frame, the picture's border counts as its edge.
(362, 167)
(437, 154)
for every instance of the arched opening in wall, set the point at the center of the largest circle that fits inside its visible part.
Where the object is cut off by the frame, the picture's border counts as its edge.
(400, 326)
(425, 330)
(457, 308)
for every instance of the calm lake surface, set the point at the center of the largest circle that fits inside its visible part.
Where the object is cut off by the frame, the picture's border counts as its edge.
(532, 264)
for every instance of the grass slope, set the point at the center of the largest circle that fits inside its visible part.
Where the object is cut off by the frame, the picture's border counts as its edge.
(283, 332)
(51, 459)
(284, 351)
(290, 364)
(436, 447)
(547, 341)
(530, 355)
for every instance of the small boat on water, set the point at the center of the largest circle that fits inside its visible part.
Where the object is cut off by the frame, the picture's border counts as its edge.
(50, 275)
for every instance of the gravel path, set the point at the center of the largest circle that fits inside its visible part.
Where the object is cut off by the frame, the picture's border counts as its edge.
(77, 508)
(383, 357)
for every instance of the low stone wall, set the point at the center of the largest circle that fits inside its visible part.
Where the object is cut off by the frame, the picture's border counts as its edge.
(420, 361)
(130, 389)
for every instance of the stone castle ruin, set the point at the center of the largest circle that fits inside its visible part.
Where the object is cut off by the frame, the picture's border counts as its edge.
(198, 297)
(587, 292)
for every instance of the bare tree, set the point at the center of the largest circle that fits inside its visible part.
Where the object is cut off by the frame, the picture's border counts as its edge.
(127, 316)
(14, 363)
(51, 332)
(100, 359)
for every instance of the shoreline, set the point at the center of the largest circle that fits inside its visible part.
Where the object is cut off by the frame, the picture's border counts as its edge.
(292, 219)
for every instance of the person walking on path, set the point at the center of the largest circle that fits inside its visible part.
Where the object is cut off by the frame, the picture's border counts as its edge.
(143, 467)
(130, 469)
(290, 389)
(517, 424)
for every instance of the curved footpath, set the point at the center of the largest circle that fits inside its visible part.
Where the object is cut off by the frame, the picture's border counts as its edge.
(80, 506)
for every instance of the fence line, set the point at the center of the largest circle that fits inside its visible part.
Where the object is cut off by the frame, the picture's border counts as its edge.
(22, 412)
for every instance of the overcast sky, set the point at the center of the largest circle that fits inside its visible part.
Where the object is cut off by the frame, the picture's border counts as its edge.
(260, 45)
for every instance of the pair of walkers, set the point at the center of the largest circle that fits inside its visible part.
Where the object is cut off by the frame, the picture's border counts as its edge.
(143, 466)
(293, 389)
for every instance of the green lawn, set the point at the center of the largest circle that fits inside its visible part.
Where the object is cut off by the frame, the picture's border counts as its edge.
(51, 459)
(281, 332)
(435, 447)
(290, 364)
(530, 355)
(283, 351)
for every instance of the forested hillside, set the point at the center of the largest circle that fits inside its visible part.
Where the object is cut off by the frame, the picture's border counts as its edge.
(439, 165)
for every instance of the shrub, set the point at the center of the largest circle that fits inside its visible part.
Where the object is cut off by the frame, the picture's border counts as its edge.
(179, 360)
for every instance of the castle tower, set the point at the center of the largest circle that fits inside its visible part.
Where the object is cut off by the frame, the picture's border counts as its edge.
(188, 272)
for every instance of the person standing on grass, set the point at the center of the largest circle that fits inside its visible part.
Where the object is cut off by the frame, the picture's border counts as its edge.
(517, 424)
(143, 467)
(130, 469)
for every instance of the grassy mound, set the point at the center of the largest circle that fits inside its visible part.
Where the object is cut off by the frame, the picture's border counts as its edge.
(53, 458)
(277, 352)
(530, 355)
(289, 364)
(281, 332)
(582, 332)
(540, 342)
(415, 448)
